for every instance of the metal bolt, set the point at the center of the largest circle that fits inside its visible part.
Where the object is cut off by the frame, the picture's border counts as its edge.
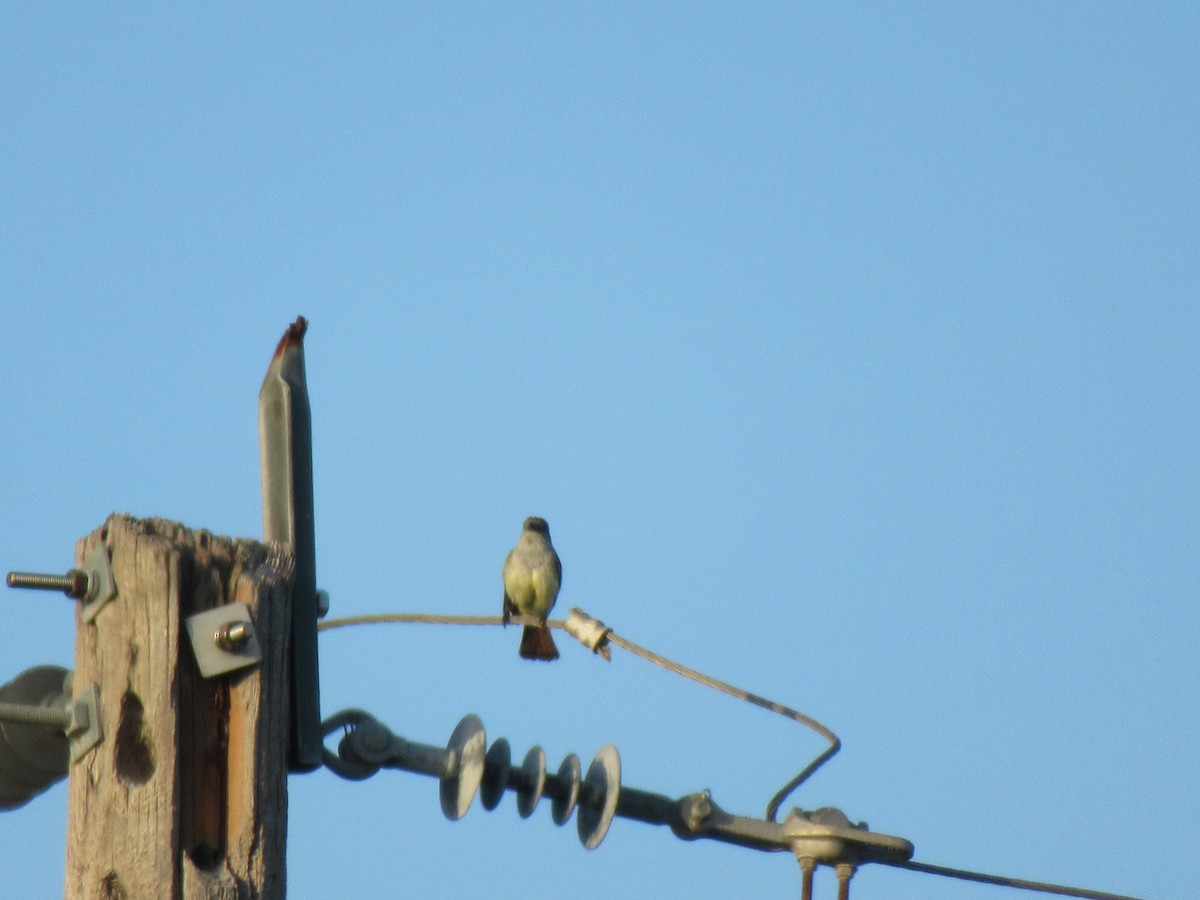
(51, 716)
(694, 810)
(76, 583)
(845, 871)
(233, 636)
(807, 866)
(373, 738)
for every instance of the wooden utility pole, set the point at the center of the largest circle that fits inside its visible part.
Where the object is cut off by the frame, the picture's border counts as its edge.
(186, 796)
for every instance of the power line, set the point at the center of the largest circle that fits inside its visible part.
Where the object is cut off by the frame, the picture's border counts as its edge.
(593, 634)
(1005, 881)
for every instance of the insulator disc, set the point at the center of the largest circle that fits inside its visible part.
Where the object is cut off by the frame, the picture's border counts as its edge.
(604, 787)
(562, 806)
(534, 768)
(457, 791)
(495, 774)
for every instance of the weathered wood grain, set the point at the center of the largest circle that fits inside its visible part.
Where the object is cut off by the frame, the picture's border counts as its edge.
(187, 795)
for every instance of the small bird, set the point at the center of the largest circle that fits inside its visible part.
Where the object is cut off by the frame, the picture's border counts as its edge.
(532, 575)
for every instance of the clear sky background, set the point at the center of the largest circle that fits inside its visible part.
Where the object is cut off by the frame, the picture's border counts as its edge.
(851, 352)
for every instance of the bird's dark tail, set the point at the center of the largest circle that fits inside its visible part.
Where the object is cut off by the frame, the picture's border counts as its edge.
(537, 643)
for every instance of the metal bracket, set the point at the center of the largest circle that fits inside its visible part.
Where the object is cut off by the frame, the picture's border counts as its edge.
(223, 639)
(83, 729)
(285, 451)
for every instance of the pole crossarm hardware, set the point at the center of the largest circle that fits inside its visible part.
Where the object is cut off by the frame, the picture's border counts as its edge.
(78, 718)
(203, 670)
(819, 837)
(92, 583)
(43, 728)
(285, 450)
(824, 836)
(597, 637)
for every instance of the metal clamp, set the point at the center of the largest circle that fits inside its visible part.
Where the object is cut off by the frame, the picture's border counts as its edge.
(592, 633)
(369, 745)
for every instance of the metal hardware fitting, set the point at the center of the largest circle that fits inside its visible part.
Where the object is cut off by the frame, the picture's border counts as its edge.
(83, 727)
(592, 633)
(285, 453)
(821, 837)
(79, 719)
(93, 584)
(223, 639)
(464, 768)
(233, 636)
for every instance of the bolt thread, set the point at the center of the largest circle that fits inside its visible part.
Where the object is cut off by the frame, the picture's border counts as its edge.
(845, 872)
(35, 715)
(41, 582)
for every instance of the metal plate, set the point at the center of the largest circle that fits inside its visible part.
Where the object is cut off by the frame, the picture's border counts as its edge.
(85, 730)
(212, 659)
(102, 588)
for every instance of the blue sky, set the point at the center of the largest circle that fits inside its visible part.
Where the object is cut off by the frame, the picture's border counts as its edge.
(850, 352)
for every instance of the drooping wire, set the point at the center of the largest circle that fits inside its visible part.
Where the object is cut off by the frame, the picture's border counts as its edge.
(776, 801)
(1004, 881)
(835, 743)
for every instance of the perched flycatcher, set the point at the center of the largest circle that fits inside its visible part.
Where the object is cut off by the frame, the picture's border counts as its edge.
(532, 575)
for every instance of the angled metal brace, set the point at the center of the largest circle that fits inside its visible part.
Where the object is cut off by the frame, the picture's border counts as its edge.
(285, 444)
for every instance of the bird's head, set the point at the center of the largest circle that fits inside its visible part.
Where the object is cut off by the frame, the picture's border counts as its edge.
(538, 524)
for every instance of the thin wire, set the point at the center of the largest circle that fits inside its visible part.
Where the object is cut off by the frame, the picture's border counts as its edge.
(773, 807)
(1021, 883)
(411, 618)
(835, 743)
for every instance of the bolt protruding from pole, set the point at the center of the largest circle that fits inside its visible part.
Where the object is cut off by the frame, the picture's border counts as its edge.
(75, 583)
